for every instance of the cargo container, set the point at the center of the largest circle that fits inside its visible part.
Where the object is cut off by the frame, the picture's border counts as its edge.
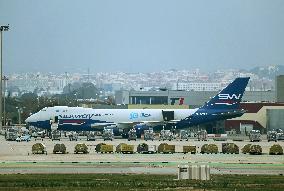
(81, 148)
(39, 148)
(189, 149)
(230, 148)
(59, 148)
(104, 148)
(125, 148)
(209, 149)
(276, 150)
(148, 149)
(166, 148)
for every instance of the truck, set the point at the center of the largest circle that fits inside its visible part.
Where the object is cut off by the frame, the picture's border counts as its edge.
(132, 135)
(254, 135)
(166, 135)
(11, 134)
(149, 135)
(107, 134)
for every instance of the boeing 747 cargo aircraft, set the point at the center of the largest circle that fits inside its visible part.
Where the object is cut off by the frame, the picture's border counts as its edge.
(225, 105)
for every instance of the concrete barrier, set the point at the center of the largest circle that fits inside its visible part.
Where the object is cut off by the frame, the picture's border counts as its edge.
(194, 172)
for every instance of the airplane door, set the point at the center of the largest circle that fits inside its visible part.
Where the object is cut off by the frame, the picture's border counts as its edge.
(168, 115)
(54, 123)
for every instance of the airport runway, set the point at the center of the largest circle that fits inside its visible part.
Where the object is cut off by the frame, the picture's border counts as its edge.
(16, 157)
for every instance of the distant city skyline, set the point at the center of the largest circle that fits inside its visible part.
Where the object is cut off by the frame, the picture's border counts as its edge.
(141, 36)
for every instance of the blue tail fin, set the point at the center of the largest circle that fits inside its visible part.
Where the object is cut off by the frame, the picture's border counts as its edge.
(230, 97)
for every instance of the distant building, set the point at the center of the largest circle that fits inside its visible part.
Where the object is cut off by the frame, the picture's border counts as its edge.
(194, 86)
(191, 98)
(280, 88)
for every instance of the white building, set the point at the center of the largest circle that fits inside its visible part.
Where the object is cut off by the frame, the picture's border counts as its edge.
(196, 86)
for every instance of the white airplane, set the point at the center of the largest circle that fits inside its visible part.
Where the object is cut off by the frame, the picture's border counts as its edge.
(224, 105)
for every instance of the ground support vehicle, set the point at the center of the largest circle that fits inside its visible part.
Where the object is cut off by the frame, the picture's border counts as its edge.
(26, 138)
(149, 135)
(91, 136)
(272, 136)
(280, 134)
(73, 136)
(254, 135)
(202, 135)
(166, 135)
(184, 135)
(107, 134)
(55, 135)
(132, 135)
(11, 134)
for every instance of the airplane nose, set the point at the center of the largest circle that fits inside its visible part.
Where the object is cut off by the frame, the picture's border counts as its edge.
(30, 119)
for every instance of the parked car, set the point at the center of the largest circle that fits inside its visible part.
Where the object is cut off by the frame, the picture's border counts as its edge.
(26, 138)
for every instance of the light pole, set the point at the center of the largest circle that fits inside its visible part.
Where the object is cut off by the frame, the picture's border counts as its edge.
(2, 28)
(76, 102)
(5, 79)
(20, 111)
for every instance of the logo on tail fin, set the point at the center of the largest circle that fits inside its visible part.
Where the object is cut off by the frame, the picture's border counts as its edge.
(229, 97)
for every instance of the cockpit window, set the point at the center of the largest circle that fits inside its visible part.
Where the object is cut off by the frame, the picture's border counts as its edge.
(57, 110)
(43, 109)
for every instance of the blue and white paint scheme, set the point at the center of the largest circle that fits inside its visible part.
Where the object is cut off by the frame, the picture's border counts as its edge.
(225, 105)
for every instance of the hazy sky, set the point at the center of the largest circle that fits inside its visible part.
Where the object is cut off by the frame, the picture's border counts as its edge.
(145, 35)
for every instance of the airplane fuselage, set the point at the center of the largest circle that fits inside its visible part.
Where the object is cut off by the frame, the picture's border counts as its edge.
(79, 119)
